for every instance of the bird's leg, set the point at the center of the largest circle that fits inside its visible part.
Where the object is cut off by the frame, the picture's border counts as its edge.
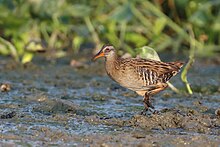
(154, 90)
(147, 103)
(151, 90)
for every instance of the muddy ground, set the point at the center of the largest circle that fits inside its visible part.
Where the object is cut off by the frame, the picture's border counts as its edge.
(47, 103)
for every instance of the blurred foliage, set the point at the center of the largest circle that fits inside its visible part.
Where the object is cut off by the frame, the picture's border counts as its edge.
(27, 26)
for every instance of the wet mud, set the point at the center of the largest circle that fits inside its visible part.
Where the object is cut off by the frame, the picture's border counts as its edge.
(54, 104)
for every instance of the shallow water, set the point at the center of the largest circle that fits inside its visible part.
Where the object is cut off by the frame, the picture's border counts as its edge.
(56, 104)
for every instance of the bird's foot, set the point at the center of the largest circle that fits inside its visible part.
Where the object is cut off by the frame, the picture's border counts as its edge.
(156, 112)
(149, 105)
(144, 111)
(149, 111)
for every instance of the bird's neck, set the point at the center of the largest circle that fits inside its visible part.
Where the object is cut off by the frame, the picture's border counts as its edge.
(111, 64)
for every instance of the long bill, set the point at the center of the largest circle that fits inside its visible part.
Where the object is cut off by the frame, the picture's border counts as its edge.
(98, 55)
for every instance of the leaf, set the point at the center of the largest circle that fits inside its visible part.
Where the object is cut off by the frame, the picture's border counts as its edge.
(135, 38)
(77, 41)
(216, 24)
(3, 49)
(78, 10)
(111, 33)
(34, 46)
(159, 25)
(147, 52)
(27, 57)
(47, 9)
(60, 54)
(10, 47)
(199, 18)
(122, 13)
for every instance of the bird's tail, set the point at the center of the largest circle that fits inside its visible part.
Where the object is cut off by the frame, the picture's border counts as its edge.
(177, 64)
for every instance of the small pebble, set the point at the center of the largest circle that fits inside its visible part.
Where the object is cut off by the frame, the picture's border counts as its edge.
(5, 87)
(77, 64)
(217, 112)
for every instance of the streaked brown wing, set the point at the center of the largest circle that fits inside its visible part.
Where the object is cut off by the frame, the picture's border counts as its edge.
(153, 71)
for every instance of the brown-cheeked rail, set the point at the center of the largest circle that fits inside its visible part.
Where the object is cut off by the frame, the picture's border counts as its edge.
(144, 76)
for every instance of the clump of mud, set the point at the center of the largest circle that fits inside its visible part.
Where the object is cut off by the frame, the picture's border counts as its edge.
(171, 119)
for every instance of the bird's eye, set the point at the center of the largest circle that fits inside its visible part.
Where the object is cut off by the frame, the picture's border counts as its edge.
(107, 50)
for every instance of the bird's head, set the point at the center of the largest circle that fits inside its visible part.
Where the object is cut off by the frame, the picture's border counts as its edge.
(106, 51)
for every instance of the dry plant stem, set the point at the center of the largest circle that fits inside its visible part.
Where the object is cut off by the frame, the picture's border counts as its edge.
(190, 62)
(172, 87)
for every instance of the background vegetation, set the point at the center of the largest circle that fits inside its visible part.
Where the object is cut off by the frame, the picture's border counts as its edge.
(56, 26)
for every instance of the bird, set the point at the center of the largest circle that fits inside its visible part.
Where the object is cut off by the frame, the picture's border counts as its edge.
(146, 77)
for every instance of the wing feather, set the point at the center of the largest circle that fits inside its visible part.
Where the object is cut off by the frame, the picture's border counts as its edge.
(152, 70)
